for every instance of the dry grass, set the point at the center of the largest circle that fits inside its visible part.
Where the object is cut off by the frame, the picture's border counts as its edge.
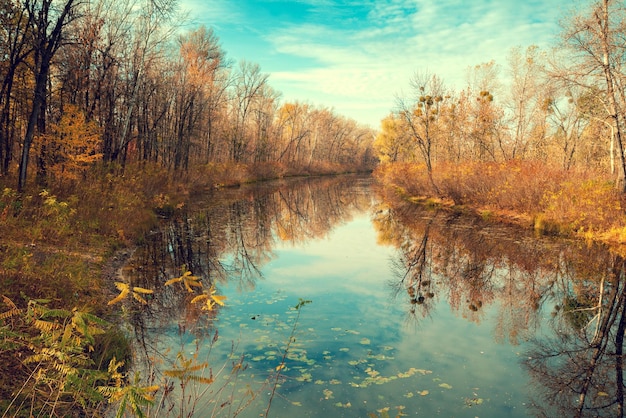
(575, 203)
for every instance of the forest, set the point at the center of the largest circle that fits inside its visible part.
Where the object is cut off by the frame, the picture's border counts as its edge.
(115, 83)
(112, 115)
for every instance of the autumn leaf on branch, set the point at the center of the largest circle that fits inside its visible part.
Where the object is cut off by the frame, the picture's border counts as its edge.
(190, 281)
(125, 290)
(210, 299)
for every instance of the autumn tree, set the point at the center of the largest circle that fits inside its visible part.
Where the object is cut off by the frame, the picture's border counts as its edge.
(294, 127)
(72, 144)
(47, 24)
(248, 84)
(200, 59)
(525, 101)
(392, 143)
(421, 112)
(484, 127)
(593, 42)
(14, 49)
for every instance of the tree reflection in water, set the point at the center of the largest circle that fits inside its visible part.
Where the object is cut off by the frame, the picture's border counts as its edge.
(564, 301)
(227, 237)
(578, 366)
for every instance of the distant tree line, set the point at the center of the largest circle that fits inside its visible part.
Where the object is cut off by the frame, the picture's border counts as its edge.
(117, 81)
(565, 107)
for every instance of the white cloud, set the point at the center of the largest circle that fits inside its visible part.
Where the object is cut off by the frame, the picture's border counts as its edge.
(358, 65)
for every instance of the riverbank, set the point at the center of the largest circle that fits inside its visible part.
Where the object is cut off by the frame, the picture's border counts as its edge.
(568, 203)
(61, 249)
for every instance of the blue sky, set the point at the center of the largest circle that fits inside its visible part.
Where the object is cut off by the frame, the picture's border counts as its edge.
(356, 56)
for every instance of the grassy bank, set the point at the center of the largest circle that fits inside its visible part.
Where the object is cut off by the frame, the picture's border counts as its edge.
(570, 203)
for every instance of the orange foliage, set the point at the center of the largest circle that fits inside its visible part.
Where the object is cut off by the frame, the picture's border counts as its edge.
(550, 199)
(71, 146)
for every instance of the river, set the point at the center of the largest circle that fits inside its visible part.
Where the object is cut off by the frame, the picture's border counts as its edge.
(343, 302)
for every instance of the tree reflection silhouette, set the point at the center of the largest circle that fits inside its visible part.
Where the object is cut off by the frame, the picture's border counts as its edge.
(227, 237)
(580, 366)
(577, 366)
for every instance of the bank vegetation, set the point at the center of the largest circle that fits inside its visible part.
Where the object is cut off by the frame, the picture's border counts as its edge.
(539, 141)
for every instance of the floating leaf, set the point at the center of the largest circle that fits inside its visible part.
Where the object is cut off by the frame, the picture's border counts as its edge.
(365, 341)
(473, 401)
(328, 394)
(423, 393)
(445, 386)
(305, 377)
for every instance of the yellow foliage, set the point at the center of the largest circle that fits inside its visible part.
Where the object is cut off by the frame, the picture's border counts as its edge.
(125, 290)
(210, 299)
(188, 281)
(71, 145)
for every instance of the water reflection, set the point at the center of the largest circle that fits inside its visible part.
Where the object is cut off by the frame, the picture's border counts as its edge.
(576, 366)
(227, 236)
(559, 303)
(580, 363)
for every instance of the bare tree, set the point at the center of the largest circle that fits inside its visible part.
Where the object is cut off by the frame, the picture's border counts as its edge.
(421, 114)
(526, 69)
(594, 41)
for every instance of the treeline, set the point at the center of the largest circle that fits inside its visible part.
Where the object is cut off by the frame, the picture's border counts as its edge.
(565, 107)
(119, 82)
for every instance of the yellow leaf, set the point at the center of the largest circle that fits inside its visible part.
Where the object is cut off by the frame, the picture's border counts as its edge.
(142, 290)
(119, 297)
(219, 299)
(139, 298)
(175, 280)
(199, 298)
(121, 286)
(280, 367)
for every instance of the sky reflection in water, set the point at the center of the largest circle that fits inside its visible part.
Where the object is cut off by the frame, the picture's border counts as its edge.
(363, 350)
(422, 312)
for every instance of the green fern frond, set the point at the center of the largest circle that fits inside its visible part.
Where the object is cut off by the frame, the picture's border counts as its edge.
(56, 313)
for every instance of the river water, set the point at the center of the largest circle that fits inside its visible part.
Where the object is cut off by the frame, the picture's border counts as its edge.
(409, 311)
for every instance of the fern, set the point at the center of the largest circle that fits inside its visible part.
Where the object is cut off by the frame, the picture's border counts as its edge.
(58, 342)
